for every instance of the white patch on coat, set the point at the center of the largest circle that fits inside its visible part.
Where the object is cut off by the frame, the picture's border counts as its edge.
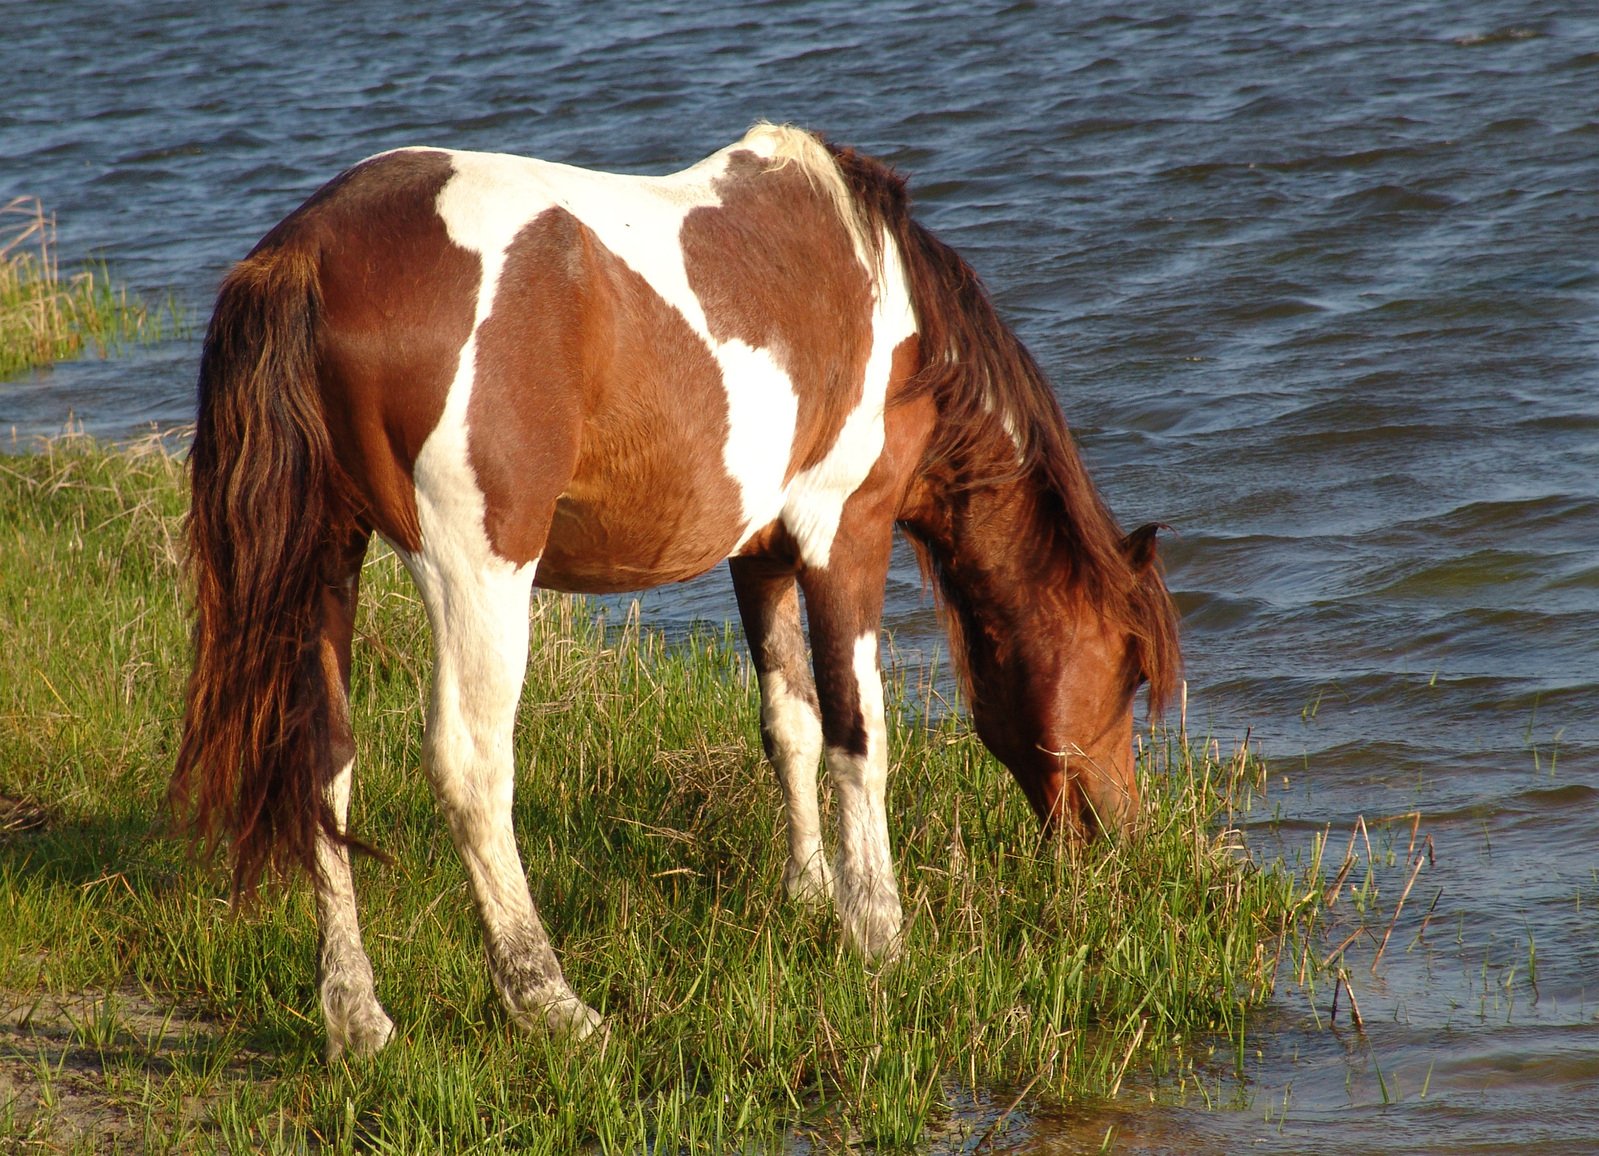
(813, 503)
(863, 877)
(762, 411)
(795, 732)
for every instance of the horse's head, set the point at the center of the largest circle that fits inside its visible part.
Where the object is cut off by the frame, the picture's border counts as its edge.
(1054, 700)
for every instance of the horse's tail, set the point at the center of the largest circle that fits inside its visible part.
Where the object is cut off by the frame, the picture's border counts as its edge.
(269, 510)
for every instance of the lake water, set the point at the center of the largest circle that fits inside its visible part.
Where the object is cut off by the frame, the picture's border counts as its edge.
(1318, 285)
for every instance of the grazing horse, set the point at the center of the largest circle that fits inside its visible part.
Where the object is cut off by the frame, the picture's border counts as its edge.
(519, 372)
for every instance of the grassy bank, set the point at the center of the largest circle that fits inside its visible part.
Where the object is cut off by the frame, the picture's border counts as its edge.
(45, 317)
(137, 1009)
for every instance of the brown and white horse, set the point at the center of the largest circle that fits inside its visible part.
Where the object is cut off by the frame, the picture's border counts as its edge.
(519, 372)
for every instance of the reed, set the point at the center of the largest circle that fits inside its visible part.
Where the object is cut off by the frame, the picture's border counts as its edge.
(45, 317)
(135, 1004)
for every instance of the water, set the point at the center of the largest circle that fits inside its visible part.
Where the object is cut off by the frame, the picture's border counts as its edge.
(1317, 284)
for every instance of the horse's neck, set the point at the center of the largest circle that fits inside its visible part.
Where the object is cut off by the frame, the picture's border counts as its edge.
(993, 543)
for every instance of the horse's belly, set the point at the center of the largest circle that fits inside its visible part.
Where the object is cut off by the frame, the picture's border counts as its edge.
(608, 546)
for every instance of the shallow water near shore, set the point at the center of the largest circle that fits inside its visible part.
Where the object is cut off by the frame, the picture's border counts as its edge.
(1316, 287)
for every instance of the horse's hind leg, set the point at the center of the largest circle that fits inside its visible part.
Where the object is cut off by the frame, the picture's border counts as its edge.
(791, 720)
(478, 609)
(356, 1022)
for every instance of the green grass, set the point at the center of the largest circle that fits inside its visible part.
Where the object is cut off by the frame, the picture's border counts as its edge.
(138, 1010)
(45, 318)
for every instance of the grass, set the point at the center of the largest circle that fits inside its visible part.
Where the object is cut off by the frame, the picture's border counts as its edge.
(137, 1010)
(45, 318)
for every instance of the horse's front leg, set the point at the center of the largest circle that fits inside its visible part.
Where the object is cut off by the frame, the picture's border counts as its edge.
(356, 1023)
(791, 720)
(478, 609)
(844, 600)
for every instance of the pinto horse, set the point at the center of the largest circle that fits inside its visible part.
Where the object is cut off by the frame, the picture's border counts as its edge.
(524, 373)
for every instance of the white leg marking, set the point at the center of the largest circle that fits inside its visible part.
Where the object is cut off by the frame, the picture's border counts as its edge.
(794, 733)
(868, 899)
(480, 631)
(356, 1022)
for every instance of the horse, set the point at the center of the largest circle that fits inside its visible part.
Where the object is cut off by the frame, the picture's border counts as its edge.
(523, 373)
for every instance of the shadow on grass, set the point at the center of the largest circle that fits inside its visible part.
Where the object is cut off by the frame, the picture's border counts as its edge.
(126, 849)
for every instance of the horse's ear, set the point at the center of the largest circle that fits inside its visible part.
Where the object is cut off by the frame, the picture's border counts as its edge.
(1139, 546)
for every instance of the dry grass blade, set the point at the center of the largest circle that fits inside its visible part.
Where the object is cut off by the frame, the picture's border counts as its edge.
(46, 318)
(1329, 895)
(1354, 1005)
(1132, 1048)
(35, 226)
(987, 1141)
(1344, 946)
(1398, 907)
(20, 815)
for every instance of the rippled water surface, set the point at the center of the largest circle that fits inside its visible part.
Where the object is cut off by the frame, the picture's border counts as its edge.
(1317, 284)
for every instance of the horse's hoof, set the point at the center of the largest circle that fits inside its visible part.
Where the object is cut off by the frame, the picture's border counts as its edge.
(572, 1019)
(587, 1025)
(809, 886)
(361, 1035)
(873, 929)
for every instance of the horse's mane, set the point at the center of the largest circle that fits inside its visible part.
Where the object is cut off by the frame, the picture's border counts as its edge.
(989, 391)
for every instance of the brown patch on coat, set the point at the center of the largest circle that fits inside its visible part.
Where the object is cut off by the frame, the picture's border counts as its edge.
(768, 606)
(909, 420)
(773, 267)
(398, 300)
(525, 414)
(648, 500)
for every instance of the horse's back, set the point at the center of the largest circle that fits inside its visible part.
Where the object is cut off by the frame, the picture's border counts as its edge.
(631, 372)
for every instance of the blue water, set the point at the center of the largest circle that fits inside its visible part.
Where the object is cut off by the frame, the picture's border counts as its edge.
(1318, 286)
